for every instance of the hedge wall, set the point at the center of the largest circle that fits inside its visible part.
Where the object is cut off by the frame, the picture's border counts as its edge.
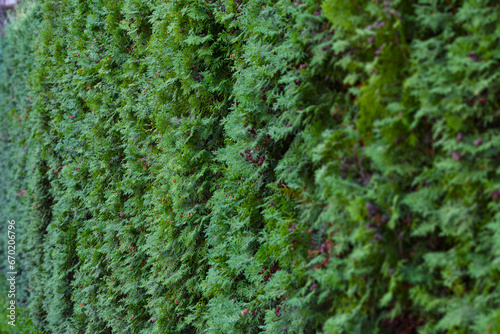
(231, 166)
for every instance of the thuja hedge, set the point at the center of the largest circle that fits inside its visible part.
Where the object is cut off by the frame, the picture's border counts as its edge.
(196, 166)
(16, 43)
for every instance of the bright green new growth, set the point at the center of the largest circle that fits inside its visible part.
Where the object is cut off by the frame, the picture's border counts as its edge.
(252, 166)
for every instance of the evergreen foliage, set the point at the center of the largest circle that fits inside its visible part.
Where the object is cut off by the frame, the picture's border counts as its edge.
(231, 166)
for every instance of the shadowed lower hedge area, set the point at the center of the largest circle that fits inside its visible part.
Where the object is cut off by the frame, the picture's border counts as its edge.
(251, 166)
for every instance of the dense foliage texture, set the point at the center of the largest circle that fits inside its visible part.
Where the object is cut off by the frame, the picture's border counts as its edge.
(250, 166)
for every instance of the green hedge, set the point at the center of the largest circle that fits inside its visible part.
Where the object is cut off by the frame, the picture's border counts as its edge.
(16, 101)
(254, 166)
